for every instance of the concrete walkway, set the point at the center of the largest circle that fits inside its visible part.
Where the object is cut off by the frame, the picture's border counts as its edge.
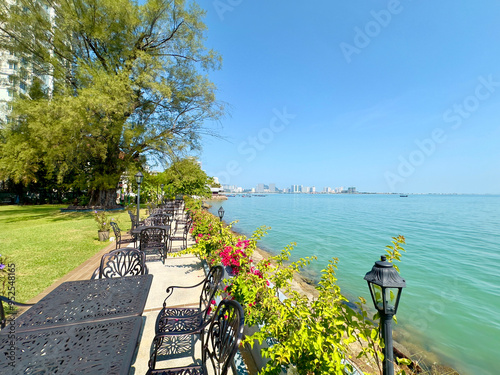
(183, 271)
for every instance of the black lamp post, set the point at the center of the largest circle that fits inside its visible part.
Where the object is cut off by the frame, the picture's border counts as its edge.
(161, 187)
(221, 213)
(385, 286)
(138, 178)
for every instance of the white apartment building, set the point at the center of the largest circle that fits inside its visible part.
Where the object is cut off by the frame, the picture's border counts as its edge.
(10, 68)
(16, 77)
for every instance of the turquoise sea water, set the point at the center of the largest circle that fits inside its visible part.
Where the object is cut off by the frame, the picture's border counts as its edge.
(451, 305)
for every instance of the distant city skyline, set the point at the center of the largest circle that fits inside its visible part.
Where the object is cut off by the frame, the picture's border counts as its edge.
(272, 188)
(397, 96)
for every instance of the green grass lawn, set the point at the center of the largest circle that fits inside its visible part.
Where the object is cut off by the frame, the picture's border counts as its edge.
(45, 244)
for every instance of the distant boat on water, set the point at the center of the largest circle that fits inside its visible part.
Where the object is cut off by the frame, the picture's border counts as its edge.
(403, 195)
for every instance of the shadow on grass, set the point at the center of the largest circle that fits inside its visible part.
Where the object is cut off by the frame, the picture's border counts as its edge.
(12, 214)
(62, 216)
(48, 214)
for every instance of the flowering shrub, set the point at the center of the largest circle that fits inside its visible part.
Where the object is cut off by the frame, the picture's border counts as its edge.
(234, 256)
(102, 220)
(313, 336)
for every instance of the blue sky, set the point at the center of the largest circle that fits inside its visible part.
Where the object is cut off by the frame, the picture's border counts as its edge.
(387, 96)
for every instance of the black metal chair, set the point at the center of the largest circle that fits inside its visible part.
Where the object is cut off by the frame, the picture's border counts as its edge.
(162, 219)
(158, 220)
(3, 320)
(118, 236)
(219, 345)
(154, 240)
(134, 221)
(183, 236)
(120, 263)
(181, 319)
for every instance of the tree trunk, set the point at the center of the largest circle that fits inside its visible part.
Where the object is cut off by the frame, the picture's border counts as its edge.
(103, 198)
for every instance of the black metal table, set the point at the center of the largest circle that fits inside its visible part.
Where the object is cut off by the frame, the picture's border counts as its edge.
(104, 347)
(81, 327)
(88, 300)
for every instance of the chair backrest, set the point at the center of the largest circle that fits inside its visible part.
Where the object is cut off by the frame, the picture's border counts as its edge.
(3, 319)
(148, 221)
(164, 218)
(187, 226)
(224, 336)
(122, 262)
(153, 237)
(132, 219)
(159, 219)
(210, 287)
(116, 230)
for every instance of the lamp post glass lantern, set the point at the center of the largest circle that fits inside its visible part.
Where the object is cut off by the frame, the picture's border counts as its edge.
(138, 178)
(385, 286)
(221, 215)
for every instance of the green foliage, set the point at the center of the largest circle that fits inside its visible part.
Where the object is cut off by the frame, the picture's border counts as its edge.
(185, 177)
(394, 251)
(209, 235)
(192, 204)
(130, 82)
(312, 336)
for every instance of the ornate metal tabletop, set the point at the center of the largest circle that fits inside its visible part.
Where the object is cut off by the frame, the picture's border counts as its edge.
(87, 300)
(105, 347)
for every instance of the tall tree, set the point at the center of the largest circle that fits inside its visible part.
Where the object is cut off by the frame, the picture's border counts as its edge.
(186, 177)
(127, 85)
